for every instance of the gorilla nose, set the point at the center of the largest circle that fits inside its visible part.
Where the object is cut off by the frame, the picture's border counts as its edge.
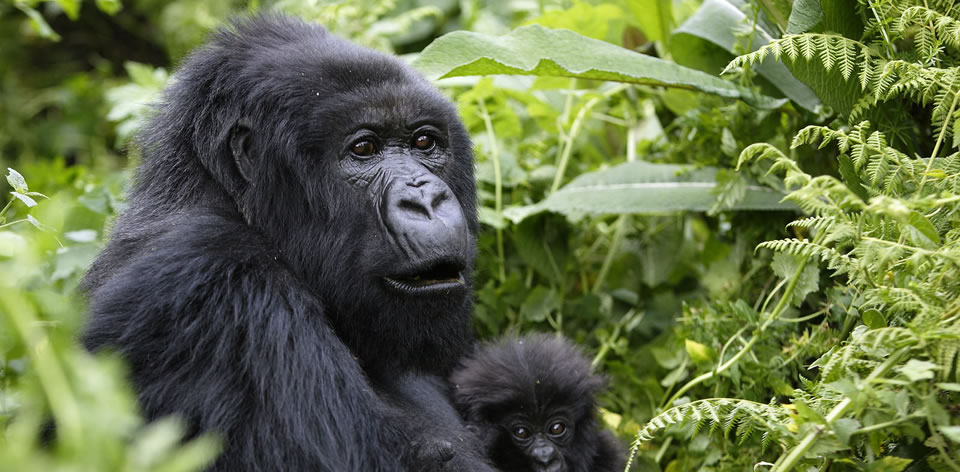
(543, 454)
(423, 199)
(425, 219)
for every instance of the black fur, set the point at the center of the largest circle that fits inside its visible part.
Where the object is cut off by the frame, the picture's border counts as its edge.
(533, 382)
(243, 285)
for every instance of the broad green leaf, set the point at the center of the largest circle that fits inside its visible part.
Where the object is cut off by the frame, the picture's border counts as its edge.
(717, 23)
(804, 16)
(889, 464)
(841, 16)
(873, 318)
(949, 386)
(786, 265)
(920, 231)
(643, 187)
(654, 17)
(16, 181)
(917, 370)
(603, 21)
(535, 50)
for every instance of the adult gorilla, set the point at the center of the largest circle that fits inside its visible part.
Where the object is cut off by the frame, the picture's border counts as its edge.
(299, 236)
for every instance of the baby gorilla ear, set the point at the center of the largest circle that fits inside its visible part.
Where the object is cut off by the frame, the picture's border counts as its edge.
(240, 147)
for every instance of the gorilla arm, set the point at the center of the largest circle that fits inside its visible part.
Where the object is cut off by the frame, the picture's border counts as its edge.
(218, 331)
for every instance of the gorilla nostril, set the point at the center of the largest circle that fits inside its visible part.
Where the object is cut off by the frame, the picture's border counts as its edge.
(414, 206)
(439, 198)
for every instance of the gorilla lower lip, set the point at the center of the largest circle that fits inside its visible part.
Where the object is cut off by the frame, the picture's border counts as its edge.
(433, 278)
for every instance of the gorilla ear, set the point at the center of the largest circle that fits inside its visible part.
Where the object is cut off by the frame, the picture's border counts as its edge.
(240, 147)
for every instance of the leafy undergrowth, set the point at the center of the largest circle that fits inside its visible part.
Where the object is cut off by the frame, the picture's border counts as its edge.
(765, 262)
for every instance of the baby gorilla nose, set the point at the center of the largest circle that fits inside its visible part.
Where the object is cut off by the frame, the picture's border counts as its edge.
(544, 454)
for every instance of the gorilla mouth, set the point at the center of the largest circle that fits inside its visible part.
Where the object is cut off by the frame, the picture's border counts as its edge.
(426, 279)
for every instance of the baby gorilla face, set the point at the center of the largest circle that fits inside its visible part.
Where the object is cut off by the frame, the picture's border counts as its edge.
(542, 443)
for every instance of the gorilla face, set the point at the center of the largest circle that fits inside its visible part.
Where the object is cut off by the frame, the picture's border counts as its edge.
(381, 215)
(419, 218)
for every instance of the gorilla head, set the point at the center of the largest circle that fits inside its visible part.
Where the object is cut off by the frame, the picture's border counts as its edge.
(353, 167)
(532, 399)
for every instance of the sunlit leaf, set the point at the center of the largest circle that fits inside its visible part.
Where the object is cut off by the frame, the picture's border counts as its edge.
(535, 50)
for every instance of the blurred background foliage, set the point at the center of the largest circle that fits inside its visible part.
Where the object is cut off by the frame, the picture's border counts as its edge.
(696, 323)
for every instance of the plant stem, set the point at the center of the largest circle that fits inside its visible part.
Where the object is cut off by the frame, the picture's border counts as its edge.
(497, 187)
(13, 223)
(620, 228)
(936, 147)
(575, 130)
(5, 208)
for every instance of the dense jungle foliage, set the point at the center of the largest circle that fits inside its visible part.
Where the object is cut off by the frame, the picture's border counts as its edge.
(748, 212)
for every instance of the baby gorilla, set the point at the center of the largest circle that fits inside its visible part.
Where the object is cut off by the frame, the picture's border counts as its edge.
(532, 400)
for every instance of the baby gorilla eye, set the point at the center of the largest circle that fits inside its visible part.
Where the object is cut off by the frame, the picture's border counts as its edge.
(423, 142)
(557, 429)
(363, 148)
(521, 433)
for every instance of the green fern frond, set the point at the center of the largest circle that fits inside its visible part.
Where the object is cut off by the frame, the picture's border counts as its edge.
(831, 50)
(759, 151)
(945, 28)
(721, 414)
(835, 260)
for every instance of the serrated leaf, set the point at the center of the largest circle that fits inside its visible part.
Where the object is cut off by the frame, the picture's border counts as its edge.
(643, 187)
(16, 181)
(539, 51)
(29, 202)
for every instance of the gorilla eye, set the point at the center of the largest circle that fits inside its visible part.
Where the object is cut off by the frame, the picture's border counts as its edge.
(423, 142)
(521, 433)
(363, 148)
(557, 429)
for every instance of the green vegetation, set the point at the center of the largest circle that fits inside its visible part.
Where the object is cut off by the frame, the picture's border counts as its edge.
(749, 212)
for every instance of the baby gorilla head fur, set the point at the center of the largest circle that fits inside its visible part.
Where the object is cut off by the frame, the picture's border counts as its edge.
(350, 163)
(533, 400)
